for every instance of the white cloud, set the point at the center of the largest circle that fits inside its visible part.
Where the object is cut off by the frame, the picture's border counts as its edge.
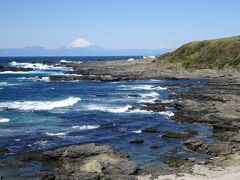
(80, 43)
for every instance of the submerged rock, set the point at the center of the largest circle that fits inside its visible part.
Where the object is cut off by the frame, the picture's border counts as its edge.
(210, 149)
(155, 107)
(137, 141)
(154, 146)
(133, 95)
(150, 130)
(3, 151)
(179, 135)
(176, 161)
(15, 69)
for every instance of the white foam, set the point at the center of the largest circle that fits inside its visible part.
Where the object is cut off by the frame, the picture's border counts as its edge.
(117, 109)
(137, 131)
(124, 109)
(167, 101)
(167, 113)
(4, 120)
(56, 134)
(40, 105)
(65, 61)
(21, 72)
(37, 66)
(147, 100)
(164, 113)
(150, 95)
(131, 59)
(67, 74)
(36, 78)
(86, 127)
(141, 87)
(43, 143)
(4, 84)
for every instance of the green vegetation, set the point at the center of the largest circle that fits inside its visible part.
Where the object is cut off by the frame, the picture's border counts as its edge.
(207, 54)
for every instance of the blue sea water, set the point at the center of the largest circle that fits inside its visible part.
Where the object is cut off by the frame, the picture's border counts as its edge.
(41, 114)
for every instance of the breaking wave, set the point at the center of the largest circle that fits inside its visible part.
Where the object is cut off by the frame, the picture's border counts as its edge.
(37, 66)
(141, 87)
(40, 105)
(86, 127)
(4, 120)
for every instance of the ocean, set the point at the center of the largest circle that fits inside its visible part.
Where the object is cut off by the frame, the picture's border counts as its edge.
(36, 114)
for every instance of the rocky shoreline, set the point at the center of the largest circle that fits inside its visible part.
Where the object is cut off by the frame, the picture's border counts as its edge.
(215, 102)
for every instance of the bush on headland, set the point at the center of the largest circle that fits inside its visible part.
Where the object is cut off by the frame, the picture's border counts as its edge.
(217, 53)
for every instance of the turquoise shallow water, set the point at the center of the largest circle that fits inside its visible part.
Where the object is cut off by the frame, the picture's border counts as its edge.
(42, 114)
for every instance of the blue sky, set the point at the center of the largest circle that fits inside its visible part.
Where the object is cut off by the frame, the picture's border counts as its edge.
(149, 24)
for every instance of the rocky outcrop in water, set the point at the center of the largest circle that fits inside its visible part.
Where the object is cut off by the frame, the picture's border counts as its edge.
(14, 69)
(3, 151)
(92, 159)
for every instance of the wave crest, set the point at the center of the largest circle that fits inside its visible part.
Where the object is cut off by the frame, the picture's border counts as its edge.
(40, 105)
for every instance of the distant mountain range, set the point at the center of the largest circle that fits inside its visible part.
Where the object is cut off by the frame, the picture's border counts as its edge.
(84, 51)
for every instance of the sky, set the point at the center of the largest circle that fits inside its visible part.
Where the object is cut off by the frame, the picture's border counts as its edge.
(116, 24)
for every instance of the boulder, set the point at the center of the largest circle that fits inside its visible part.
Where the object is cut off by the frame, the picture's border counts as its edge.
(91, 158)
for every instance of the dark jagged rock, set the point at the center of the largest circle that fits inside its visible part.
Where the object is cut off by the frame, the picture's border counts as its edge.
(133, 95)
(179, 135)
(3, 151)
(155, 107)
(210, 149)
(15, 69)
(176, 161)
(137, 141)
(193, 144)
(150, 130)
(48, 176)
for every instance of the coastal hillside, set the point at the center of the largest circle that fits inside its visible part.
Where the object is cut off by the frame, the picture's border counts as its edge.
(207, 54)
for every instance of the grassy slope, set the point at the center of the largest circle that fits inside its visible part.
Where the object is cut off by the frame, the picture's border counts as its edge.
(207, 54)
